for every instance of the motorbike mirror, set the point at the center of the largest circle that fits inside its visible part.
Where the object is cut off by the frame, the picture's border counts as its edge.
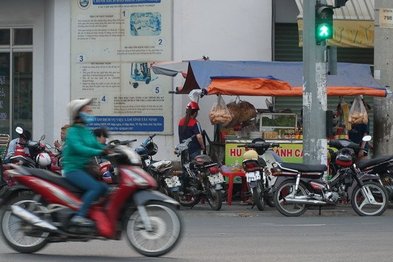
(42, 137)
(367, 138)
(19, 130)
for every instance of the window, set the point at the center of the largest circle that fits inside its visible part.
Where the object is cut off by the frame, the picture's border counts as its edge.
(16, 79)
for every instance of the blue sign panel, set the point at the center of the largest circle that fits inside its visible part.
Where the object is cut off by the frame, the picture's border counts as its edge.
(129, 123)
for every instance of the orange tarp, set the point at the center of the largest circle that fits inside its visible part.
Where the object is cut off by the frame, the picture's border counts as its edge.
(346, 91)
(249, 87)
(270, 87)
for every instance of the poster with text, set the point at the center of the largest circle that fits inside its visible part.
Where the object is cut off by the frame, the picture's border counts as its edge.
(113, 46)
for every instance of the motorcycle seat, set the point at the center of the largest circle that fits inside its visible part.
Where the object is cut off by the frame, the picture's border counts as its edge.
(201, 160)
(304, 167)
(370, 162)
(54, 178)
(161, 166)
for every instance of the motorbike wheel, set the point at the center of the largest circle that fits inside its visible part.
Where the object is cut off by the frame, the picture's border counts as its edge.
(258, 196)
(188, 198)
(288, 209)
(19, 235)
(167, 229)
(387, 181)
(360, 202)
(214, 198)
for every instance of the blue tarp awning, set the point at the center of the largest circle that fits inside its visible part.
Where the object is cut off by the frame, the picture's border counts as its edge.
(230, 77)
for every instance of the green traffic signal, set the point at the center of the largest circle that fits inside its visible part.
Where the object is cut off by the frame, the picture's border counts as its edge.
(324, 31)
(323, 23)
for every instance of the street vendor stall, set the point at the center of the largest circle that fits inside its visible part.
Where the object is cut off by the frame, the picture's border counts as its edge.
(255, 78)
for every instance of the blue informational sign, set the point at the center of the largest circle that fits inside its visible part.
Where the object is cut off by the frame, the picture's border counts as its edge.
(129, 123)
(114, 44)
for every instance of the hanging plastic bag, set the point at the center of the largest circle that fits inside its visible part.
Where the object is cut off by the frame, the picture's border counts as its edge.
(233, 107)
(248, 111)
(219, 114)
(242, 111)
(195, 94)
(358, 113)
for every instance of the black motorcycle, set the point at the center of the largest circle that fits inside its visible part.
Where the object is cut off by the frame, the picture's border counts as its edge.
(162, 170)
(381, 165)
(205, 179)
(299, 187)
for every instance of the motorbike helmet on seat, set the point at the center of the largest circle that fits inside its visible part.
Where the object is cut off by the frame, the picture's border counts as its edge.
(76, 105)
(152, 148)
(43, 159)
(107, 177)
(192, 105)
(345, 157)
(250, 154)
(23, 133)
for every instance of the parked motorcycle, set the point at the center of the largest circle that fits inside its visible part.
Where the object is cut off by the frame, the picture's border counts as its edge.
(41, 214)
(205, 179)
(381, 165)
(162, 170)
(257, 165)
(41, 156)
(301, 186)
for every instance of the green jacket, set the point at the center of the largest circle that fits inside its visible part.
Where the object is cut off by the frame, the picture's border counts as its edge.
(79, 148)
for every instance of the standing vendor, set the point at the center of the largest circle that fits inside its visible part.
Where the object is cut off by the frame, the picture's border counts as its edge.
(189, 126)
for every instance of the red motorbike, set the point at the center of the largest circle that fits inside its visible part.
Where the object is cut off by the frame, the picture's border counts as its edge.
(40, 155)
(39, 214)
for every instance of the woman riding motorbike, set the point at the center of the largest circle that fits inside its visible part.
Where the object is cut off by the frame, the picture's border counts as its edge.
(79, 148)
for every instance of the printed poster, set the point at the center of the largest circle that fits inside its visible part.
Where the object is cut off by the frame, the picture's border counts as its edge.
(113, 46)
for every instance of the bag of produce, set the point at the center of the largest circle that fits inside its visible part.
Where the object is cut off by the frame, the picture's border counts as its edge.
(242, 111)
(247, 110)
(358, 113)
(234, 108)
(219, 114)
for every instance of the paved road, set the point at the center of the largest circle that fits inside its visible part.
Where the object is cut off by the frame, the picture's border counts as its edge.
(238, 233)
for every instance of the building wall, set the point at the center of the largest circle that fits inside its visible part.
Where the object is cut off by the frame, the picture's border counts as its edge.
(25, 13)
(220, 29)
(57, 66)
(285, 11)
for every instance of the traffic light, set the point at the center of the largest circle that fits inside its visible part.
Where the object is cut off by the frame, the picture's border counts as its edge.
(323, 23)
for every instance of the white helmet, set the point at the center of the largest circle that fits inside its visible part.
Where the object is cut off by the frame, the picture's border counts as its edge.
(43, 159)
(75, 106)
(250, 154)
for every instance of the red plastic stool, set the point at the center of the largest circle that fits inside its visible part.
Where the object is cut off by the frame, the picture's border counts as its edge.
(231, 173)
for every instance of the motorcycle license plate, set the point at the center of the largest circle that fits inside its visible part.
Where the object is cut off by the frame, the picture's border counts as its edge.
(172, 181)
(216, 179)
(253, 176)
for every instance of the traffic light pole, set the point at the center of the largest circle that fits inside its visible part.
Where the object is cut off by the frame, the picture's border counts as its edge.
(314, 90)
